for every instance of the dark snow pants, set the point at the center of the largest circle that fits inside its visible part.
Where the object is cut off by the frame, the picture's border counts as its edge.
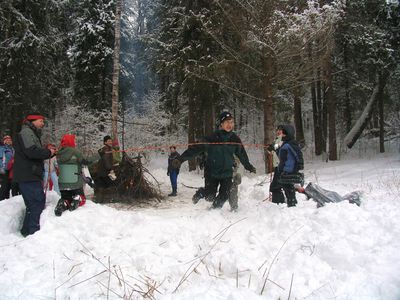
(5, 186)
(211, 188)
(276, 189)
(34, 199)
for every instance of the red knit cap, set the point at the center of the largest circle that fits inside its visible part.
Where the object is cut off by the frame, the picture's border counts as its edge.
(68, 140)
(34, 117)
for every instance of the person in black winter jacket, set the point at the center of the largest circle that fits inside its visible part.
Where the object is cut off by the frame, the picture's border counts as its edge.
(28, 170)
(287, 165)
(220, 146)
(104, 176)
(172, 171)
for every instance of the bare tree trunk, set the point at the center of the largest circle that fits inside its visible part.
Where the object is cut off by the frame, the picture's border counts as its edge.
(321, 96)
(298, 120)
(363, 120)
(347, 104)
(381, 124)
(317, 121)
(268, 113)
(331, 99)
(209, 118)
(116, 67)
(191, 130)
(208, 108)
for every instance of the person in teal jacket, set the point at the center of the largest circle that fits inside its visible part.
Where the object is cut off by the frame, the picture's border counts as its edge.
(221, 147)
(70, 180)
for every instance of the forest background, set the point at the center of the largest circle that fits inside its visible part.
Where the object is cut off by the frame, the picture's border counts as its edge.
(331, 68)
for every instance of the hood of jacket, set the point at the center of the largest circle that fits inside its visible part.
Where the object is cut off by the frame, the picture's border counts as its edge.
(68, 140)
(289, 131)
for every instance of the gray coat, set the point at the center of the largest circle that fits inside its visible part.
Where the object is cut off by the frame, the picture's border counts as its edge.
(29, 155)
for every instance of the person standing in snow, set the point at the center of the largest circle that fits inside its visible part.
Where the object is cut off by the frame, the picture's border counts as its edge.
(234, 192)
(70, 162)
(28, 170)
(105, 174)
(50, 172)
(286, 150)
(6, 157)
(220, 146)
(173, 172)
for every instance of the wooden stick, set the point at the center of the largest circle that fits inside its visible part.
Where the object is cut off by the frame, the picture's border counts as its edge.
(87, 279)
(109, 278)
(291, 284)
(220, 235)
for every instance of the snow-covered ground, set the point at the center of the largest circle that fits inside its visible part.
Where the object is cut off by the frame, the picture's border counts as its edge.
(177, 250)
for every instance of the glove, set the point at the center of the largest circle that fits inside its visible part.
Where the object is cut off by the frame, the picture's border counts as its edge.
(176, 163)
(2, 171)
(168, 173)
(252, 169)
(88, 181)
(112, 176)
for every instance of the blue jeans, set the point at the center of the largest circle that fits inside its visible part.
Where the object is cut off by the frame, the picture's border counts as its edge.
(54, 179)
(173, 176)
(34, 198)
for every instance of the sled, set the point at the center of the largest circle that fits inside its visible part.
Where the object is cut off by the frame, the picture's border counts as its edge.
(323, 196)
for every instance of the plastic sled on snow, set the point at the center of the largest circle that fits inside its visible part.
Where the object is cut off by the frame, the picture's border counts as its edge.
(323, 196)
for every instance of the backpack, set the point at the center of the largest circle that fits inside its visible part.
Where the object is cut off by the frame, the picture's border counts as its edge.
(296, 151)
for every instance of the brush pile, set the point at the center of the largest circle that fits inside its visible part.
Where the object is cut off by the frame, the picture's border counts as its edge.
(132, 183)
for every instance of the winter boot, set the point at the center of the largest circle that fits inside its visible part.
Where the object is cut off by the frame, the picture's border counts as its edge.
(61, 206)
(277, 197)
(291, 202)
(198, 195)
(173, 194)
(99, 195)
(75, 202)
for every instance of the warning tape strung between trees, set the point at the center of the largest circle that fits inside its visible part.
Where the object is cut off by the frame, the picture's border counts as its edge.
(147, 148)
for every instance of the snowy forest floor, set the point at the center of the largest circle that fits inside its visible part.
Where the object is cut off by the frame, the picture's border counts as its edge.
(177, 250)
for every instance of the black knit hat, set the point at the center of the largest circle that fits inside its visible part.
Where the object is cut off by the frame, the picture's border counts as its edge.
(106, 138)
(281, 127)
(225, 116)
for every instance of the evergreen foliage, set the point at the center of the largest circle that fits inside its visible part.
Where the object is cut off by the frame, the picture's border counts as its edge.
(188, 60)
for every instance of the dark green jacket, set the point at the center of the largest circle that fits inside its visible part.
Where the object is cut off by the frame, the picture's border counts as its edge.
(220, 157)
(70, 165)
(29, 155)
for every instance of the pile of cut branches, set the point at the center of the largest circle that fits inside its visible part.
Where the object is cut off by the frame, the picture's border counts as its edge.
(131, 184)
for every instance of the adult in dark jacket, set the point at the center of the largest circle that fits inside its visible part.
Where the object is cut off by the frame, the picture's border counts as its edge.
(287, 165)
(28, 170)
(172, 171)
(105, 167)
(220, 146)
